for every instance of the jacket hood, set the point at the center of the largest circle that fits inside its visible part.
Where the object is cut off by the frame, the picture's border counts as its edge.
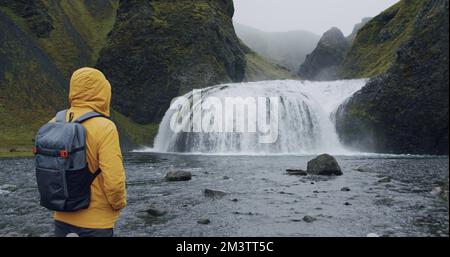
(89, 88)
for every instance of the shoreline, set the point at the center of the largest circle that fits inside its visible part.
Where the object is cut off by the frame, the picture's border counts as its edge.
(15, 152)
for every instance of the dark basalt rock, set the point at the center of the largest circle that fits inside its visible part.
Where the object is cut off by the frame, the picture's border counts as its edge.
(309, 219)
(405, 110)
(204, 221)
(35, 14)
(158, 50)
(212, 193)
(323, 63)
(156, 212)
(178, 176)
(324, 165)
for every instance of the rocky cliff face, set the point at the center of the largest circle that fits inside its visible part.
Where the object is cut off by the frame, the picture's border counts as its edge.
(323, 63)
(150, 50)
(162, 49)
(357, 28)
(404, 110)
(375, 47)
(41, 44)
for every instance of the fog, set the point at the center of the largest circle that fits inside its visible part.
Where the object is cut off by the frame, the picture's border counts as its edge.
(313, 15)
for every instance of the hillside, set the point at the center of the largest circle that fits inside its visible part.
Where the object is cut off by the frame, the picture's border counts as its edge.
(150, 50)
(374, 49)
(357, 28)
(259, 69)
(288, 49)
(405, 109)
(324, 62)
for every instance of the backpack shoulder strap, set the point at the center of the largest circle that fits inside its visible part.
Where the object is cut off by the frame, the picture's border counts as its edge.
(61, 116)
(88, 116)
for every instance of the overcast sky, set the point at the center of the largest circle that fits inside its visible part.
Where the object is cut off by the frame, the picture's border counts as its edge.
(313, 15)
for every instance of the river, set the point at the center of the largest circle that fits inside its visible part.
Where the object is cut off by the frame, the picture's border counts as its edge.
(269, 202)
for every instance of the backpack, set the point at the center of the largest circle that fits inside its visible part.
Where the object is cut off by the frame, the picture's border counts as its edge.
(62, 173)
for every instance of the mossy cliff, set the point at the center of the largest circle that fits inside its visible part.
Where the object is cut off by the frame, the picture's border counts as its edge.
(162, 49)
(405, 109)
(41, 44)
(150, 50)
(376, 44)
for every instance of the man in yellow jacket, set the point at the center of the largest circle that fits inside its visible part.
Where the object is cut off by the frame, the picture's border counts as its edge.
(91, 91)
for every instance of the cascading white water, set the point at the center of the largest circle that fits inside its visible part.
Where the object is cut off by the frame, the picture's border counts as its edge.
(305, 119)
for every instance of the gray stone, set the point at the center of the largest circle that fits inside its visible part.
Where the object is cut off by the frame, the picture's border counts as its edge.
(385, 180)
(178, 176)
(154, 211)
(204, 221)
(309, 219)
(324, 165)
(214, 193)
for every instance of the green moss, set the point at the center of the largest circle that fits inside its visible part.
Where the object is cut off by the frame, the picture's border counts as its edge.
(17, 154)
(361, 112)
(259, 69)
(374, 49)
(79, 33)
(19, 21)
(138, 134)
(93, 29)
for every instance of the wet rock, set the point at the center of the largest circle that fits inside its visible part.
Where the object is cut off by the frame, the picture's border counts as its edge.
(226, 177)
(204, 221)
(8, 187)
(154, 211)
(241, 213)
(214, 193)
(361, 169)
(385, 180)
(345, 189)
(178, 176)
(309, 219)
(291, 172)
(324, 165)
(347, 204)
(235, 200)
(442, 191)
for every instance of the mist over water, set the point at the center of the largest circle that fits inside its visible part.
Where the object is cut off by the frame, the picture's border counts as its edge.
(305, 113)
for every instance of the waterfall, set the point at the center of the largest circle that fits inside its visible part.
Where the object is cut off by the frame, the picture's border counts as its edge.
(298, 115)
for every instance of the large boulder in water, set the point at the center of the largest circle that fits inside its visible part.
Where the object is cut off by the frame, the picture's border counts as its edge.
(324, 165)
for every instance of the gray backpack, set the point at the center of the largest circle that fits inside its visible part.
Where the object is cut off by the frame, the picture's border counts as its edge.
(62, 173)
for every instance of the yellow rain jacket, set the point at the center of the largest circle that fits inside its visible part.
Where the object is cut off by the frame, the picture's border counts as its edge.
(90, 91)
